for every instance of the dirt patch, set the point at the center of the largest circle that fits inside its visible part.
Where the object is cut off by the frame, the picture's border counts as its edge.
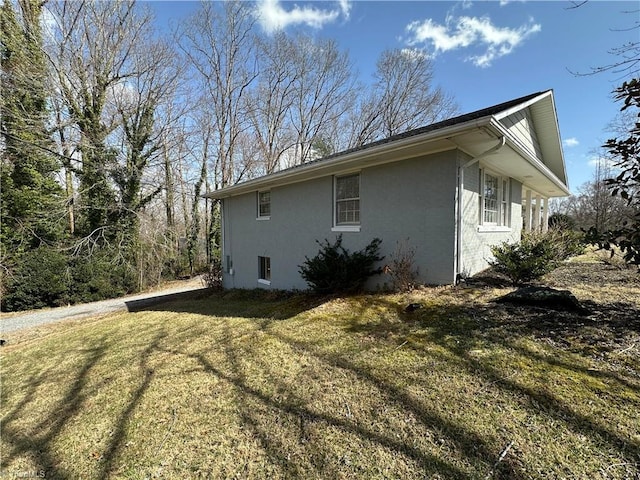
(611, 296)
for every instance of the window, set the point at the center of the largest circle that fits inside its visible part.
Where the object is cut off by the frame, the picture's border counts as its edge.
(347, 193)
(494, 200)
(504, 202)
(264, 204)
(264, 270)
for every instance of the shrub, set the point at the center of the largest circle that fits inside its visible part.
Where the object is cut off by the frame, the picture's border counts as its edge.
(97, 275)
(565, 242)
(527, 260)
(561, 221)
(401, 269)
(213, 277)
(336, 270)
(38, 281)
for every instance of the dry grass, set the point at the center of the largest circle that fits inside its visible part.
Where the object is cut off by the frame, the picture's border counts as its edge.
(251, 385)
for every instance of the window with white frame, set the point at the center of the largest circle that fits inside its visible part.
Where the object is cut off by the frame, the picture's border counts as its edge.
(494, 199)
(264, 204)
(347, 200)
(264, 269)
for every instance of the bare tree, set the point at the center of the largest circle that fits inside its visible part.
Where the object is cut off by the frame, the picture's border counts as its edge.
(322, 86)
(593, 205)
(138, 103)
(270, 102)
(217, 42)
(403, 98)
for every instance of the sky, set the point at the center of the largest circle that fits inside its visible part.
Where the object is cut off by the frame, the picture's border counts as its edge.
(483, 52)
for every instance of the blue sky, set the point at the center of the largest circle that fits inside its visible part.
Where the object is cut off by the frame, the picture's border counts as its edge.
(484, 52)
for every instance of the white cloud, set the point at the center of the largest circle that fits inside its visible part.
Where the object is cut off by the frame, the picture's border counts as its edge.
(273, 17)
(507, 2)
(571, 142)
(464, 32)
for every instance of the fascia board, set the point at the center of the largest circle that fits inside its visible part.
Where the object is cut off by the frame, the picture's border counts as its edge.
(523, 105)
(517, 146)
(344, 162)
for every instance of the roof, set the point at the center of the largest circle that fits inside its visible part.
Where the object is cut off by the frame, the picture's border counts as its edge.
(434, 134)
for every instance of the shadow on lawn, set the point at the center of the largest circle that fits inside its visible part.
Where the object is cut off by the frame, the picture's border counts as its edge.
(458, 330)
(461, 330)
(252, 400)
(276, 304)
(36, 443)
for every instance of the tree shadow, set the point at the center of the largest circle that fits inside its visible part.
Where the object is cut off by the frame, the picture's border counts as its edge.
(305, 415)
(461, 330)
(37, 442)
(458, 330)
(258, 303)
(118, 437)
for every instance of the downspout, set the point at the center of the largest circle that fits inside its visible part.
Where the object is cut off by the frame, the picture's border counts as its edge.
(460, 205)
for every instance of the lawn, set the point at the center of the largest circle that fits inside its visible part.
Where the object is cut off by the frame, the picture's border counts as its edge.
(267, 385)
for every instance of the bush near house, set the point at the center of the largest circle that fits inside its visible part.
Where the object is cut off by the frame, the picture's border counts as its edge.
(336, 270)
(537, 254)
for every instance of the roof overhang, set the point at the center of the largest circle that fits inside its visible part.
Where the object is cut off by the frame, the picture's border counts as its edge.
(415, 146)
(473, 137)
(513, 160)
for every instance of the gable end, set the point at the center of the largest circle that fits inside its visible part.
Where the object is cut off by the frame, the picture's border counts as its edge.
(522, 128)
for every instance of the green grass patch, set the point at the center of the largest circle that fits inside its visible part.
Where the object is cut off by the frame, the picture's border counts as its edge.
(259, 385)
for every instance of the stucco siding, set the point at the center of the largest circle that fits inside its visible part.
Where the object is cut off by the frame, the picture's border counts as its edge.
(476, 243)
(411, 200)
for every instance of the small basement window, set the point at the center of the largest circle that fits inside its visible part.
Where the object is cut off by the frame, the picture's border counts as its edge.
(264, 270)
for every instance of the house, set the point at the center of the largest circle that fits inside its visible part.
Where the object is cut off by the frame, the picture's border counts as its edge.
(450, 190)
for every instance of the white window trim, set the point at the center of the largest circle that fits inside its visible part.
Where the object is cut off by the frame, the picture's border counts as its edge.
(345, 227)
(494, 227)
(258, 216)
(264, 281)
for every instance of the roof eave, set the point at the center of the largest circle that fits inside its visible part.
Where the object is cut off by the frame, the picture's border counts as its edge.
(346, 161)
(514, 144)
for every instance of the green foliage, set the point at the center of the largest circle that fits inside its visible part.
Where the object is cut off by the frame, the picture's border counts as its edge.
(31, 197)
(47, 277)
(535, 255)
(97, 276)
(39, 281)
(626, 185)
(336, 270)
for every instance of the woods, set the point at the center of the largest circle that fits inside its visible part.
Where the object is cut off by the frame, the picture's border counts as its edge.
(113, 130)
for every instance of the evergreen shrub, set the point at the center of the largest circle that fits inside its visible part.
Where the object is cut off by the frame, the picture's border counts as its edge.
(336, 270)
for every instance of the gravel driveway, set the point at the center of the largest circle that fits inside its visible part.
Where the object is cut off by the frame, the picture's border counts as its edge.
(17, 322)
